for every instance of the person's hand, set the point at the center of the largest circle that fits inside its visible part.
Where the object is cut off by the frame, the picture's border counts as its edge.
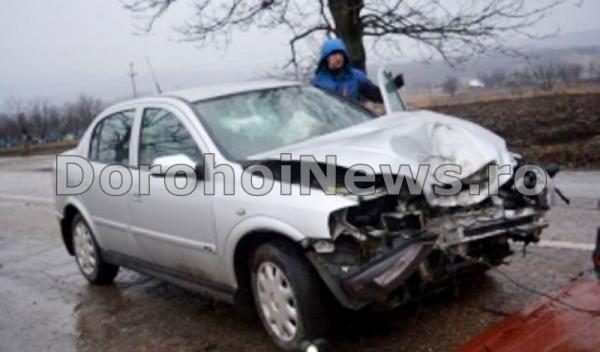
(399, 81)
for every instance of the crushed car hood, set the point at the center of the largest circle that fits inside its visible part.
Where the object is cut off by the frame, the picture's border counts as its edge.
(409, 138)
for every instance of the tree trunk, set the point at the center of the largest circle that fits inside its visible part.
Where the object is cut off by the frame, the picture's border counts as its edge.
(348, 26)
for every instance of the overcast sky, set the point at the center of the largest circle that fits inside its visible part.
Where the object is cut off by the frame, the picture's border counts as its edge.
(59, 48)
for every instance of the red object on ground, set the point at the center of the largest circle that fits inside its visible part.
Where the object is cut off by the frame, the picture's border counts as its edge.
(547, 325)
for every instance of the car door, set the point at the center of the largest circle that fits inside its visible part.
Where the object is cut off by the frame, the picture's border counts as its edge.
(392, 100)
(109, 155)
(176, 232)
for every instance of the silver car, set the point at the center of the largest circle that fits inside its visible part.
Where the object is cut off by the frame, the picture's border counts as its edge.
(172, 186)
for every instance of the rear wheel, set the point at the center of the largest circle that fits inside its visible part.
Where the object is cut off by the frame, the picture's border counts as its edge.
(290, 298)
(87, 255)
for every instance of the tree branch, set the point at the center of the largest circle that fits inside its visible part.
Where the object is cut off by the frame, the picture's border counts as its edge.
(453, 30)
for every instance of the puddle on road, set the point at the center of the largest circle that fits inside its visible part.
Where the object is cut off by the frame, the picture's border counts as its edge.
(145, 313)
(140, 313)
(45, 304)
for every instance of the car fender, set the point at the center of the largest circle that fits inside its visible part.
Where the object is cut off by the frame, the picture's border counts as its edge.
(246, 227)
(74, 202)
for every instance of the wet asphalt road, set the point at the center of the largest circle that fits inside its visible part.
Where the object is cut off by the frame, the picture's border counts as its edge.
(45, 304)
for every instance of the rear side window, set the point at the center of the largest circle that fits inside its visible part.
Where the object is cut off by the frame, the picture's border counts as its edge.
(162, 134)
(110, 140)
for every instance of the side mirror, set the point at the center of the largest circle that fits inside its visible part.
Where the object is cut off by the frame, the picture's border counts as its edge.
(399, 81)
(169, 161)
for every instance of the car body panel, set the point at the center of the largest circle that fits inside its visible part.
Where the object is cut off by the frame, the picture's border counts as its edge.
(410, 138)
(198, 234)
(220, 90)
(190, 246)
(294, 216)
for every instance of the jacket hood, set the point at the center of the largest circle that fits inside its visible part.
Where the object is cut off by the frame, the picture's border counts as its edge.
(330, 46)
(409, 138)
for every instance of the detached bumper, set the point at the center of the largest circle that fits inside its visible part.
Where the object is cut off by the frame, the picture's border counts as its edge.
(378, 277)
(382, 276)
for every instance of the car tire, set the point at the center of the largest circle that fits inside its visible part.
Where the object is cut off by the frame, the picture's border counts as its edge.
(281, 278)
(88, 255)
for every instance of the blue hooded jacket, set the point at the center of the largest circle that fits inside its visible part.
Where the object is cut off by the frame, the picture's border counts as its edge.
(347, 83)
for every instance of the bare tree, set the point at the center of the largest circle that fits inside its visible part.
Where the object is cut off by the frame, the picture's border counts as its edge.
(39, 118)
(16, 111)
(522, 77)
(570, 73)
(545, 74)
(450, 85)
(4, 121)
(9, 131)
(44, 117)
(594, 70)
(497, 78)
(452, 29)
(80, 113)
(518, 80)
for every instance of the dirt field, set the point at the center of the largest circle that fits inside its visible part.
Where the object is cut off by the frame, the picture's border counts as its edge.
(562, 128)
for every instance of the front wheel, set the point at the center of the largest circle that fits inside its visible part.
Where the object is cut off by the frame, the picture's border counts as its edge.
(292, 302)
(87, 255)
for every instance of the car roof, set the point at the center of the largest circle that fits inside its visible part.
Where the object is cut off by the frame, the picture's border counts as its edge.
(223, 89)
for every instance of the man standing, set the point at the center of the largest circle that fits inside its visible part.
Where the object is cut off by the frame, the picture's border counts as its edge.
(336, 74)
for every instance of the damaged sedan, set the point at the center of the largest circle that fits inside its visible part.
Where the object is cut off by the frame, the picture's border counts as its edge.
(299, 199)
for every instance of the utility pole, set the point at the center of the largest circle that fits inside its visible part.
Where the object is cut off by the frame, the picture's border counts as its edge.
(132, 75)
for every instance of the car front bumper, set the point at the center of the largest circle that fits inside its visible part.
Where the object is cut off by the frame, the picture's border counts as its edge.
(384, 274)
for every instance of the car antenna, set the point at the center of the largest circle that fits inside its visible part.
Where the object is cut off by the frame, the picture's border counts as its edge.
(156, 84)
(132, 75)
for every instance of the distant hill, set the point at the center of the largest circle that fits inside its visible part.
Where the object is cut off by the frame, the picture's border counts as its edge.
(568, 40)
(576, 47)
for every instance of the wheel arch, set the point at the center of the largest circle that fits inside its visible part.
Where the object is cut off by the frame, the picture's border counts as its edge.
(70, 210)
(243, 255)
(245, 238)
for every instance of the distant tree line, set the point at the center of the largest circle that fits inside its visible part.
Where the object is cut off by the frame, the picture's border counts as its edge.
(39, 120)
(544, 75)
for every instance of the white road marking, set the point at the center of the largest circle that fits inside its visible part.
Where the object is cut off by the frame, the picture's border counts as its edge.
(567, 245)
(31, 199)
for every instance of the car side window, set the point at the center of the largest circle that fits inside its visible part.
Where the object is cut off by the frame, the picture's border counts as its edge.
(110, 139)
(162, 134)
